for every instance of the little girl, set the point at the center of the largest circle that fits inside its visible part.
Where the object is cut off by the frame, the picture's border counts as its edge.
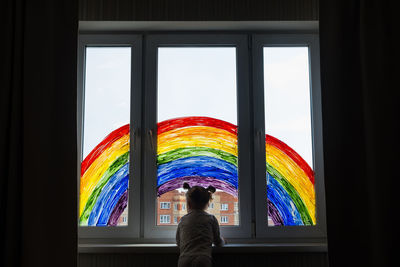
(197, 230)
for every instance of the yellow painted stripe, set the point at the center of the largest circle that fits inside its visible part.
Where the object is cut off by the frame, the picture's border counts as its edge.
(294, 175)
(198, 136)
(96, 170)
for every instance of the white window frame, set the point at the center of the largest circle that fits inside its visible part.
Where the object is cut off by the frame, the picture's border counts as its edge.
(226, 219)
(224, 206)
(317, 231)
(165, 205)
(142, 206)
(132, 230)
(153, 42)
(183, 206)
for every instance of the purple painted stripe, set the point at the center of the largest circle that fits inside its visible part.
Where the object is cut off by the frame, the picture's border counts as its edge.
(197, 180)
(118, 209)
(274, 214)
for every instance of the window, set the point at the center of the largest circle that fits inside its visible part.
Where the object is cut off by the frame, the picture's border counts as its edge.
(195, 120)
(206, 117)
(288, 122)
(165, 219)
(109, 109)
(106, 136)
(165, 205)
(288, 147)
(196, 139)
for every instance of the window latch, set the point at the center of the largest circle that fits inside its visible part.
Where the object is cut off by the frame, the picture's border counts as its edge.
(151, 140)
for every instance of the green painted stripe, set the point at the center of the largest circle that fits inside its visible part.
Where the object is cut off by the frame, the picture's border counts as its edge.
(301, 207)
(196, 151)
(114, 167)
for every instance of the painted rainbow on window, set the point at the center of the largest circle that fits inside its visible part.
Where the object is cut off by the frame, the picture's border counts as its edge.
(290, 185)
(201, 151)
(198, 150)
(104, 180)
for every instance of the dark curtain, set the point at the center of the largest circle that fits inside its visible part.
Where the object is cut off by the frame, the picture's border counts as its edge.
(360, 115)
(38, 192)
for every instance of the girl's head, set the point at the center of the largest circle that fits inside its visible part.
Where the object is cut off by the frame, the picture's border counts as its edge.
(198, 197)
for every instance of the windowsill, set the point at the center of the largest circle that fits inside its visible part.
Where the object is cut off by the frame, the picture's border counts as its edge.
(229, 248)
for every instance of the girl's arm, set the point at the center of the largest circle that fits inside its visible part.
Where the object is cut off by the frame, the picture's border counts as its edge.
(218, 240)
(178, 238)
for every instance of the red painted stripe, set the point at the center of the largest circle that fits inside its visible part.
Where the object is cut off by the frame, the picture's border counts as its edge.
(103, 145)
(292, 154)
(172, 124)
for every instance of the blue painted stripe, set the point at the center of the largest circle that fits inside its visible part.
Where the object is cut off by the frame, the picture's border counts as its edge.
(117, 193)
(198, 166)
(107, 194)
(283, 202)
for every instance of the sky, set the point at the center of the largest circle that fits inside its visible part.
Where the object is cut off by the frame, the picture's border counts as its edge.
(200, 82)
(287, 98)
(197, 82)
(107, 93)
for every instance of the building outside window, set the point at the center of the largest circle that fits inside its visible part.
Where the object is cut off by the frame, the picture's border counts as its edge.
(224, 206)
(224, 219)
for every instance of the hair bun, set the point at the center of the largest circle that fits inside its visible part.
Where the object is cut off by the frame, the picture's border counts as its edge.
(186, 185)
(211, 189)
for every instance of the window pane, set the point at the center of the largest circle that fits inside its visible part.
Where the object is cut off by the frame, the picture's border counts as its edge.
(289, 158)
(105, 169)
(197, 125)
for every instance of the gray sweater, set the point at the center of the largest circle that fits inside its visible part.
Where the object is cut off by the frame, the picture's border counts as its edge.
(196, 233)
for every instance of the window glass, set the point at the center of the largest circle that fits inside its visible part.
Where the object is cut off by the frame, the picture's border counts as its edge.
(288, 141)
(197, 122)
(165, 219)
(103, 194)
(164, 205)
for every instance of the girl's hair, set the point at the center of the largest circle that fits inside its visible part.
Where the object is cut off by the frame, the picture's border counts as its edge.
(197, 196)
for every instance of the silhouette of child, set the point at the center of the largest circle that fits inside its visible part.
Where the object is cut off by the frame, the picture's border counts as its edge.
(197, 230)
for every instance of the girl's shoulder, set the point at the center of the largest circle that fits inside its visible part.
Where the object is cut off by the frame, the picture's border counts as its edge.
(209, 217)
(199, 213)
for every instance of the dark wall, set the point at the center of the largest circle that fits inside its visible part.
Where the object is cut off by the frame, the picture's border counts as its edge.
(220, 260)
(206, 10)
(198, 10)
